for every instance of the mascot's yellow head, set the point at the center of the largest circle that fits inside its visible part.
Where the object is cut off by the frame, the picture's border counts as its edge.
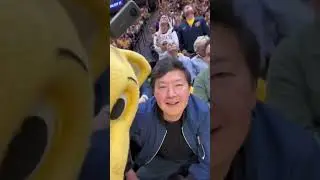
(49, 62)
(128, 72)
(46, 74)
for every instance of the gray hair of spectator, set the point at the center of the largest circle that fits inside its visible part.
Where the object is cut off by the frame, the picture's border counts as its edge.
(166, 65)
(200, 41)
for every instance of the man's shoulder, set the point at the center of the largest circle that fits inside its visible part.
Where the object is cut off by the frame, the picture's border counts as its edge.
(278, 124)
(198, 107)
(203, 75)
(146, 107)
(298, 42)
(145, 113)
(205, 72)
(95, 163)
(289, 140)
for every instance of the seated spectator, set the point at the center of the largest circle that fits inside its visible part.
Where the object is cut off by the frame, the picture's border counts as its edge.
(201, 60)
(165, 35)
(171, 130)
(293, 78)
(190, 28)
(175, 17)
(249, 140)
(201, 86)
(271, 21)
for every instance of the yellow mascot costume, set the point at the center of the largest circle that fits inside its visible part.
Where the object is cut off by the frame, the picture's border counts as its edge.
(51, 53)
(48, 65)
(128, 71)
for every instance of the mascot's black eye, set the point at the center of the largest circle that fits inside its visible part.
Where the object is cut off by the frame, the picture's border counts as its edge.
(118, 108)
(25, 150)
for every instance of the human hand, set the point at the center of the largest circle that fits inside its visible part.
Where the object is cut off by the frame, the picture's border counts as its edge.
(131, 175)
(184, 52)
(163, 47)
(143, 99)
(158, 43)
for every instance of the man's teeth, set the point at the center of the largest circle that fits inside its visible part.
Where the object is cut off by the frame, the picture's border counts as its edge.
(173, 103)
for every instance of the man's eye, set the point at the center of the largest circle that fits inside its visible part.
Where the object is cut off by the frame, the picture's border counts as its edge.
(221, 75)
(179, 85)
(162, 87)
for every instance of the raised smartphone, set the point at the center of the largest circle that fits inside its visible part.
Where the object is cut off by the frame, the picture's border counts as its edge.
(127, 15)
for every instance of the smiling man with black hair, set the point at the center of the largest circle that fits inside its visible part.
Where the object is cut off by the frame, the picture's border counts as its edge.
(250, 141)
(170, 133)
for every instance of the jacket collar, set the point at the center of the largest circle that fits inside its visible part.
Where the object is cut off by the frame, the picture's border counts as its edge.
(187, 114)
(159, 114)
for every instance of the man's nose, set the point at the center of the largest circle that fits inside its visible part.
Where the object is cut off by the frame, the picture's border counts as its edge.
(171, 92)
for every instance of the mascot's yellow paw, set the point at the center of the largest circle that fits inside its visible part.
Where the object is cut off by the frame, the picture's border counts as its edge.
(128, 71)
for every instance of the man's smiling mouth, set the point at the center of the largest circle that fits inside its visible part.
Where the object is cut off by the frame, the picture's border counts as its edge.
(172, 103)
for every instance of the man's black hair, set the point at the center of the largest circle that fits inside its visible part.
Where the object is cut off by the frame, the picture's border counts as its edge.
(222, 15)
(166, 65)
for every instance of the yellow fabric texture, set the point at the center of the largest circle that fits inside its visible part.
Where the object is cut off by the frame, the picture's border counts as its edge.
(190, 21)
(128, 71)
(44, 64)
(261, 90)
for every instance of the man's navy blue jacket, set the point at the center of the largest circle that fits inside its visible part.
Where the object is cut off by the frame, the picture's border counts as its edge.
(148, 132)
(97, 162)
(276, 149)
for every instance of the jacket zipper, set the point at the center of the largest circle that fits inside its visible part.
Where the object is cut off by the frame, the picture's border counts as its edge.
(199, 142)
(187, 141)
(157, 150)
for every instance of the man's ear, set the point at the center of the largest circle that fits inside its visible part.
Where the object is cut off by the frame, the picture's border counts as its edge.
(260, 89)
(191, 89)
(139, 64)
